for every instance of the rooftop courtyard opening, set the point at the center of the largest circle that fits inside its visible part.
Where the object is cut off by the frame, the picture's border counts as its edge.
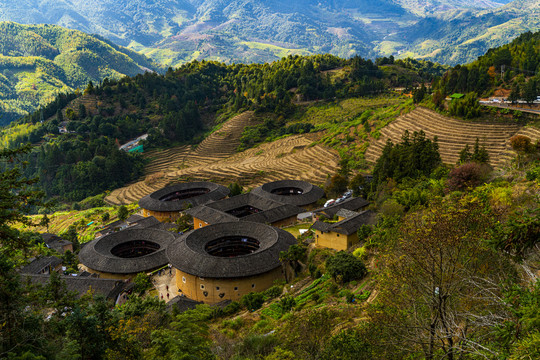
(232, 246)
(134, 249)
(184, 194)
(243, 211)
(287, 191)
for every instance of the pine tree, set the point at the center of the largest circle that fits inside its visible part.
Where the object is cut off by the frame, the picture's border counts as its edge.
(464, 155)
(480, 154)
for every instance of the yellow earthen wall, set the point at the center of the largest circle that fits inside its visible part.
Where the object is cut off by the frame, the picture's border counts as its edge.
(194, 287)
(198, 223)
(162, 216)
(334, 240)
(105, 275)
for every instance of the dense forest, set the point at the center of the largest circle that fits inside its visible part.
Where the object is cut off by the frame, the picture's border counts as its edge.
(170, 108)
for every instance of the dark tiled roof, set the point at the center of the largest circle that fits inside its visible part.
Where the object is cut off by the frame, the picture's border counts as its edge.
(152, 202)
(109, 288)
(163, 226)
(271, 211)
(310, 193)
(182, 303)
(113, 225)
(211, 215)
(275, 214)
(345, 213)
(36, 266)
(145, 222)
(321, 226)
(189, 254)
(134, 218)
(55, 242)
(97, 254)
(347, 226)
(353, 204)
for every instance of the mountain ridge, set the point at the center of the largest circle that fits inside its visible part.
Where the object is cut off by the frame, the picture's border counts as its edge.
(175, 32)
(39, 61)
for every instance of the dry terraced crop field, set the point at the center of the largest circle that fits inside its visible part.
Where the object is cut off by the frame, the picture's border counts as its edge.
(215, 159)
(453, 135)
(301, 157)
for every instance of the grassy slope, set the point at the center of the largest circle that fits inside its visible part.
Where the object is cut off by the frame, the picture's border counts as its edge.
(61, 221)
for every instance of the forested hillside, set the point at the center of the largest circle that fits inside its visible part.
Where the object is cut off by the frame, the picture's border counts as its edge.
(515, 65)
(173, 32)
(37, 62)
(176, 108)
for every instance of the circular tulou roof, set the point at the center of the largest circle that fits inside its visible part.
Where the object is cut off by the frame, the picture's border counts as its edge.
(153, 201)
(97, 253)
(189, 253)
(310, 193)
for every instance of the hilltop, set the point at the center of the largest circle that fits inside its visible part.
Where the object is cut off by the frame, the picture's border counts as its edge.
(37, 62)
(173, 33)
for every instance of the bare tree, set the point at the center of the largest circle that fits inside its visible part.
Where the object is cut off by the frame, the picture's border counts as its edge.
(441, 291)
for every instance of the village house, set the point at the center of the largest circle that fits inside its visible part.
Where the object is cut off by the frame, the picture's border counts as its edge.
(342, 234)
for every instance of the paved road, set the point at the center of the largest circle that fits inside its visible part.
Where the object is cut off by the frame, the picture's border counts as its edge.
(505, 106)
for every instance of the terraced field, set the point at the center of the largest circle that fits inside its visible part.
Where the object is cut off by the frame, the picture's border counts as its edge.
(452, 135)
(215, 159)
(532, 133)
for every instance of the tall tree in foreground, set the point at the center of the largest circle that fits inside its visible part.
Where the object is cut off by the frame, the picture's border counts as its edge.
(16, 200)
(440, 288)
(19, 328)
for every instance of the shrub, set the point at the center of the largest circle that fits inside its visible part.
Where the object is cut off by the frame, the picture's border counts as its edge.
(467, 176)
(231, 308)
(333, 288)
(273, 292)
(235, 189)
(257, 346)
(391, 208)
(142, 283)
(253, 301)
(533, 174)
(337, 185)
(287, 303)
(521, 143)
(364, 231)
(360, 252)
(346, 267)
(123, 213)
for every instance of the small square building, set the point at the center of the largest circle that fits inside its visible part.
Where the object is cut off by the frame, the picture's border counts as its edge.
(343, 234)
